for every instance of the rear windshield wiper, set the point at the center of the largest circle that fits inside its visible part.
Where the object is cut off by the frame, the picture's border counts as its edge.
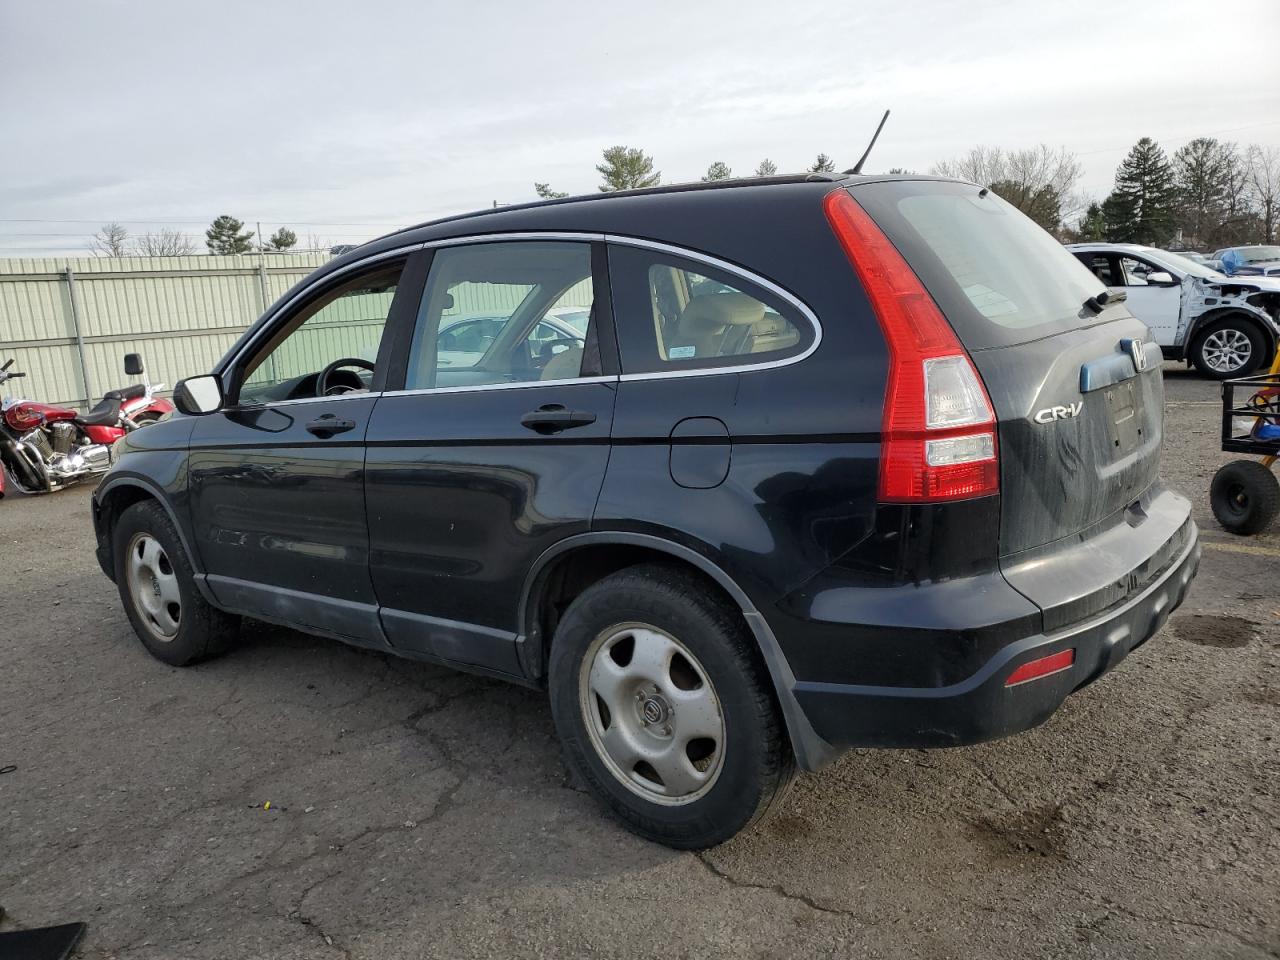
(1105, 298)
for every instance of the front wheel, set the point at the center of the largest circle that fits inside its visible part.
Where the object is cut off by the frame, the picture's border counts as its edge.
(1230, 347)
(157, 587)
(1245, 497)
(665, 710)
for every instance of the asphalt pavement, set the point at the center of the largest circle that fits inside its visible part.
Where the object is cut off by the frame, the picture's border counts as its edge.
(302, 799)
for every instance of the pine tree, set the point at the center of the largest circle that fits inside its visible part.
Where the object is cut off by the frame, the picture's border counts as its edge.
(282, 240)
(544, 192)
(1142, 208)
(767, 168)
(224, 236)
(823, 164)
(1202, 169)
(627, 168)
(1093, 225)
(719, 170)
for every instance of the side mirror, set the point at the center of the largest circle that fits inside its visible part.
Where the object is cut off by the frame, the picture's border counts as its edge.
(197, 396)
(133, 364)
(1161, 279)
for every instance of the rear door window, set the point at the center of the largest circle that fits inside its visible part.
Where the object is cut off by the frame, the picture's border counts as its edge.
(999, 278)
(675, 314)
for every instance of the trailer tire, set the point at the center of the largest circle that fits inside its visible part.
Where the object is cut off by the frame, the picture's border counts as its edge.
(1245, 497)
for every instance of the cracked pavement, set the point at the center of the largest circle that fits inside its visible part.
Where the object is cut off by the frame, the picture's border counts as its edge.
(417, 812)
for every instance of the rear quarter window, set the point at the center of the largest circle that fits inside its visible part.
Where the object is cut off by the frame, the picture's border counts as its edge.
(675, 314)
(999, 278)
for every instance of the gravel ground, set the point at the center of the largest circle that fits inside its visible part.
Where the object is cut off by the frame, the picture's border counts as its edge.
(416, 812)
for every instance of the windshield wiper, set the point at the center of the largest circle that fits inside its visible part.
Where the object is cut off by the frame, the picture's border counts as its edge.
(1105, 298)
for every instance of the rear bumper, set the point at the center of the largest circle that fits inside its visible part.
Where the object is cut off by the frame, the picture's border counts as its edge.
(981, 707)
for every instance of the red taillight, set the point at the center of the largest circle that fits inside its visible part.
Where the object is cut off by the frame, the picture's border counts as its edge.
(1034, 670)
(938, 431)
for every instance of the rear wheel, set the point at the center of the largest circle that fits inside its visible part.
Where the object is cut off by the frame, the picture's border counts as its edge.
(665, 710)
(157, 587)
(1230, 347)
(1245, 497)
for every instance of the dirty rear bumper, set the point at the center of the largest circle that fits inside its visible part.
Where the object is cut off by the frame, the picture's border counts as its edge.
(981, 707)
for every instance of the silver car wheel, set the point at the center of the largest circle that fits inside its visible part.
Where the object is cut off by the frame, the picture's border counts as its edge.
(1226, 350)
(153, 585)
(652, 713)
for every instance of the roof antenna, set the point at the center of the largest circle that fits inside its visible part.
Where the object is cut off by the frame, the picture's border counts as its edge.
(857, 167)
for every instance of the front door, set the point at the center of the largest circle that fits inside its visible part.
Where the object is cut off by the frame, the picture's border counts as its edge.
(276, 479)
(495, 447)
(1158, 305)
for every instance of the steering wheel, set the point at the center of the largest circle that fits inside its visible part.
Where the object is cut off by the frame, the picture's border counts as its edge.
(322, 380)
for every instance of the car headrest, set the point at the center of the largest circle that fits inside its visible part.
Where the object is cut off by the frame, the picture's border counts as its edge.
(714, 311)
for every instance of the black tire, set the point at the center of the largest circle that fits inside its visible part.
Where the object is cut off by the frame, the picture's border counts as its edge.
(756, 764)
(1245, 497)
(1233, 324)
(202, 631)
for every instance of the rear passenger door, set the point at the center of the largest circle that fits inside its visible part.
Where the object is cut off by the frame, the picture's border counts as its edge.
(490, 443)
(717, 441)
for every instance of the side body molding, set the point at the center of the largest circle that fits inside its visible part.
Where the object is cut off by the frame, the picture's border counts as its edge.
(812, 752)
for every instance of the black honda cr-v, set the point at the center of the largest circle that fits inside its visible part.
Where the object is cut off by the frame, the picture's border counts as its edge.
(742, 473)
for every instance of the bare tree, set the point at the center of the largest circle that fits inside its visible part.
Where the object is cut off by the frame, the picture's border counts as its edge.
(164, 243)
(1264, 183)
(1041, 179)
(111, 241)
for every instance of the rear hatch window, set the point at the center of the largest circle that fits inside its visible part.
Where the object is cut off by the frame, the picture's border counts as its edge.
(997, 276)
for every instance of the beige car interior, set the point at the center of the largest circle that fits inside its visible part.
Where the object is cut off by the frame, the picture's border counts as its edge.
(722, 324)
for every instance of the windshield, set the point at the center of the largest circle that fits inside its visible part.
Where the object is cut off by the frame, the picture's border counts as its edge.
(1180, 264)
(1258, 254)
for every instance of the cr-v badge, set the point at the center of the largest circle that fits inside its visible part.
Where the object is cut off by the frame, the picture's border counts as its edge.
(1050, 414)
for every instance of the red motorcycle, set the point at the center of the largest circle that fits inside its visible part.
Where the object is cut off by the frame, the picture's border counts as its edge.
(45, 448)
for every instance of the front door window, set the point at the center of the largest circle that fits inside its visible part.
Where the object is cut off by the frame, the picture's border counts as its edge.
(497, 313)
(304, 358)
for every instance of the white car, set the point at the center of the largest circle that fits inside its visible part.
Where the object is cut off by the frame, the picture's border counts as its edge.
(1225, 326)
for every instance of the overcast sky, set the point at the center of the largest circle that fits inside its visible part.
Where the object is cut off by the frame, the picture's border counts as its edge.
(343, 120)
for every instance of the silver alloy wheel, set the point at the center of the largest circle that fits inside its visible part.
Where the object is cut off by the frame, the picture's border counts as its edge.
(652, 713)
(153, 584)
(1226, 350)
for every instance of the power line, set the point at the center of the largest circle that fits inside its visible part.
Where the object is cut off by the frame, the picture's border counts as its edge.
(1189, 136)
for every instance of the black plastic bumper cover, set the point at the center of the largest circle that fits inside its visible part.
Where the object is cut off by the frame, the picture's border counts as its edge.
(982, 707)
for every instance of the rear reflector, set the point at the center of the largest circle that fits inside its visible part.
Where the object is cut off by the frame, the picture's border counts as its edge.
(938, 430)
(1055, 663)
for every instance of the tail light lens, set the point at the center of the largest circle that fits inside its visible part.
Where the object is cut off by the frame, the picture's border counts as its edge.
(938, 438)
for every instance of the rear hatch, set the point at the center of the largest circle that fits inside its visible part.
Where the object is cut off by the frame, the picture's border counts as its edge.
(1076, 388)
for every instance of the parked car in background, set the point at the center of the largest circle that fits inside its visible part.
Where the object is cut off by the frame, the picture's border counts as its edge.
(1225, 326)
(1250, 261)
(837, 461)
(464, 342)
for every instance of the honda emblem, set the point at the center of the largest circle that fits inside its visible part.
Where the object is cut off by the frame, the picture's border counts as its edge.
(1138, 351)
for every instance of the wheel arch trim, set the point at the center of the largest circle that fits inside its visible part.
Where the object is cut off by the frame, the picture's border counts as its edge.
(1257, 318)
(811, 751)
(155, 493)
